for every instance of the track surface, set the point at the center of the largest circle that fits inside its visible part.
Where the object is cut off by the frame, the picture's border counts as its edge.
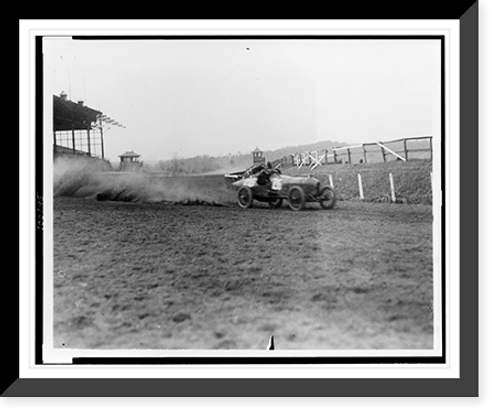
(169, 276)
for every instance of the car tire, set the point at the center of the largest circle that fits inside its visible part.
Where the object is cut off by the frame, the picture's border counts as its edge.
(296, 198)
(245, 197)
(327, 198)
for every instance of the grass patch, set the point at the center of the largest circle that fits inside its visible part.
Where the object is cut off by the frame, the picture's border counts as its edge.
(412, 180)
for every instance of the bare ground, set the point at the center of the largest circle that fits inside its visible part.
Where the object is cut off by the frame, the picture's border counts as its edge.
(169, 276)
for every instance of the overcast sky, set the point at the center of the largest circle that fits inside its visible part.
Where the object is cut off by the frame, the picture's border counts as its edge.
(194, 97)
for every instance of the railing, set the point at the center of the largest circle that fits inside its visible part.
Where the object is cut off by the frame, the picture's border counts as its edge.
(401, 149)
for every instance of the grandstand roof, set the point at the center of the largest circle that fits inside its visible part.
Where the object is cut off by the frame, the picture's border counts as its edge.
(68, 115)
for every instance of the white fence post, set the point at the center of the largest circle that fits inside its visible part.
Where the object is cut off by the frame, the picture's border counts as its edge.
(393, 193)
(330, 178)
(360, 184)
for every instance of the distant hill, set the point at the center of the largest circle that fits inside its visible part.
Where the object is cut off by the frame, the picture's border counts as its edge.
(230, 162)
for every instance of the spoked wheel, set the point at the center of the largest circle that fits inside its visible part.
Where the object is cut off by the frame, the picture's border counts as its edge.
(276, 203)
(296, 198)
(327, 198)
(245, 197)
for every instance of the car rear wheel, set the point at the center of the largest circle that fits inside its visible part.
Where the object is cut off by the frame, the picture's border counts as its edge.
(327, 198)
(296, 198)
(245, 197)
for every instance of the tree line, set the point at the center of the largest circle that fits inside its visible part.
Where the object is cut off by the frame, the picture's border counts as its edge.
(178, 165)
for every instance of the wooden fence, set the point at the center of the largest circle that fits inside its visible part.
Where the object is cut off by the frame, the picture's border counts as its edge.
(401, 149)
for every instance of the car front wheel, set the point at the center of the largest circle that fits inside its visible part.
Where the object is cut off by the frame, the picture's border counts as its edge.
(327, 198)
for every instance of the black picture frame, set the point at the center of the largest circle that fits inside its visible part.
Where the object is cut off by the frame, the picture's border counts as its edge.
(468, 383)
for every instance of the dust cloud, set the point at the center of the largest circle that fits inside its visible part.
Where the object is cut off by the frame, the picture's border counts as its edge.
(85, 178)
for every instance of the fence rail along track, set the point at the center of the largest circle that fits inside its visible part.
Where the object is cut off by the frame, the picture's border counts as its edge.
(400, 149)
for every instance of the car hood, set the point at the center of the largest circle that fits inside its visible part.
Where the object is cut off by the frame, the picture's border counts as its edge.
(284, 179)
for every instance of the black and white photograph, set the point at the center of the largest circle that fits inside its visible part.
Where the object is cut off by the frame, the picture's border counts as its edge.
(235, 194)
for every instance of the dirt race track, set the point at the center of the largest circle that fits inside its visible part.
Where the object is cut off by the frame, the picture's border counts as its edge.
(170, 276)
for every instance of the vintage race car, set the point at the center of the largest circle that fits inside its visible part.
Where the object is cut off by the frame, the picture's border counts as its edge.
(296, 190)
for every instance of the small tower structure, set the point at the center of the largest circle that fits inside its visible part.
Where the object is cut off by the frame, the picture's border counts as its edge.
(129, 161)
(258, 157)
